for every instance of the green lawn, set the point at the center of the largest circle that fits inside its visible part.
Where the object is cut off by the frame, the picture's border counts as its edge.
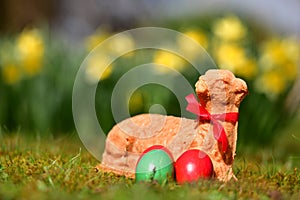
(61, 168)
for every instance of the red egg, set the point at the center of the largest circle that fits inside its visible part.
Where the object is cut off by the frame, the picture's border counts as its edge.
(193, 165)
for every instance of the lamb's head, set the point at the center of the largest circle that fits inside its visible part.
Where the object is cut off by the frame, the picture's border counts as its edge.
(220, 91)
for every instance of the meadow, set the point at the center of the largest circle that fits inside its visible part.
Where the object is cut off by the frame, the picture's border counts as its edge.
(61, 168)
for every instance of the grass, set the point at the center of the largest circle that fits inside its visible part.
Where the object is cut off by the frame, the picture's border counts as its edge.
(61, 168)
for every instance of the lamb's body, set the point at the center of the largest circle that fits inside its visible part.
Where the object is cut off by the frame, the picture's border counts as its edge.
(128, 139)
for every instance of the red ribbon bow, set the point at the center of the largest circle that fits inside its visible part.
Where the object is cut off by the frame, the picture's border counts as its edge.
(203, 115)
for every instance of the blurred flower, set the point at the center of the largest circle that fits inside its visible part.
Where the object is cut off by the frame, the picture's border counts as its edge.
(199, 36)
(30, 48)
(272, 53)
(233, 57)
(229, 28)
(96, 38)
(121, 43)
(291, 70)
(281, 54)
(278, 62)
(292, 47)
(97, 68)
(11, 74)
(117, 45)
(249, 69)
(169, 60)
(271, 83)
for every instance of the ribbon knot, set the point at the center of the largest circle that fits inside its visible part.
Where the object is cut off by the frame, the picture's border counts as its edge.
(203, 115)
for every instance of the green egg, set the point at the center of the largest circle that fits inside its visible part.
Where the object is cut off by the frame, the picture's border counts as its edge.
(155, 165)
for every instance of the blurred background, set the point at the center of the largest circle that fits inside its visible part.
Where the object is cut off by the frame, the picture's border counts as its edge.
(42, 44)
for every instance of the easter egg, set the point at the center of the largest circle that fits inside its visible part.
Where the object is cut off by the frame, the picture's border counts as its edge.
(154, 165)
(193, 165)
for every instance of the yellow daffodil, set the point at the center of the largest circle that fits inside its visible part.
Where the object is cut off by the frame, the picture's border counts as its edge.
(248, 70)
(30, 48)
(97, 68)
(271, 83)
(95, 39)
(272, 53)
(11, 74)
(292, 48)
(279, 59)
(229, 28)
(291, 70)
(197, 35)
(191, 50)
(117, 45)
(120, 44)
(282, 55)
(169, 60)
(233, 57)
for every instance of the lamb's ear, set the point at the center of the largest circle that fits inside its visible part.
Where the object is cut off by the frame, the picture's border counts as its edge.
(241, 90)
(202, 89)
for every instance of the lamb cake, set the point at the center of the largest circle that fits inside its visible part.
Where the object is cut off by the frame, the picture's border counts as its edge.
(214, 132)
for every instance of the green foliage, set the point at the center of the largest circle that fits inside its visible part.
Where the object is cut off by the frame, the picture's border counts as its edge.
(36, 95)
(48, 168)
